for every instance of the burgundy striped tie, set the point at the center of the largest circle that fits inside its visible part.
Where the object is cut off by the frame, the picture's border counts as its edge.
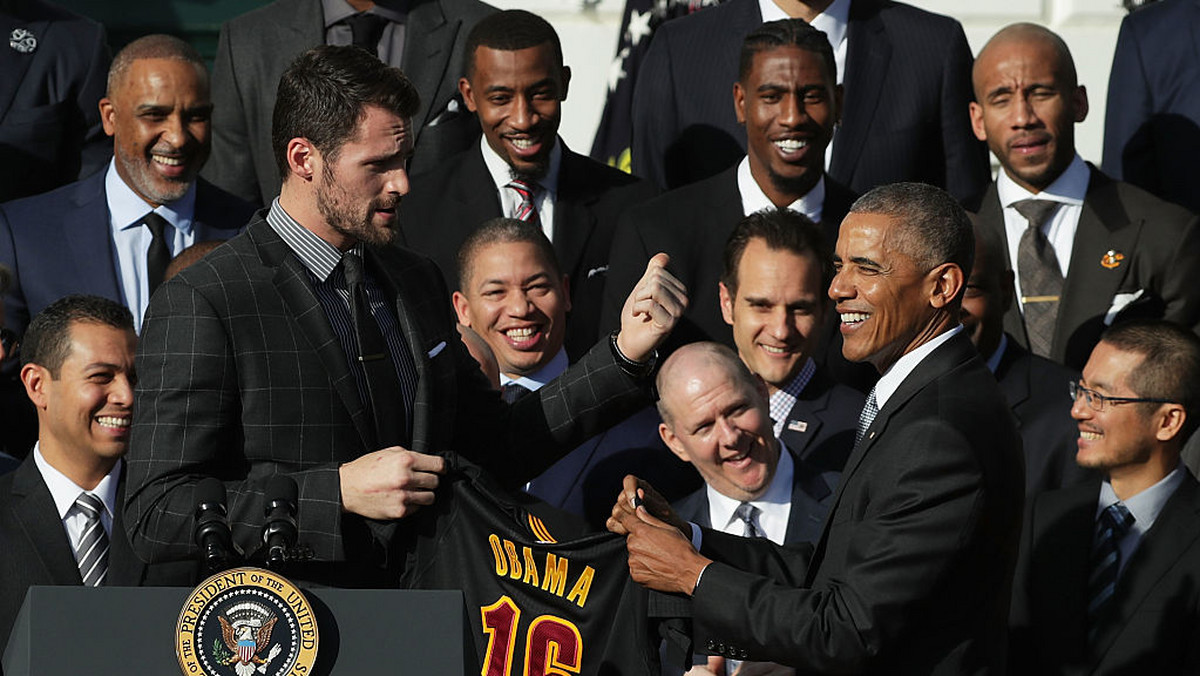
(528, 191)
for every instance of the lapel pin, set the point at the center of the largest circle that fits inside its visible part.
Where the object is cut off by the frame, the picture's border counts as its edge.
(22, 40)
(1112, 259)
(797, 425)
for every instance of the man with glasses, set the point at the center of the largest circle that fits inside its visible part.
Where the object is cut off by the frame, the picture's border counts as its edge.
(1107, 575)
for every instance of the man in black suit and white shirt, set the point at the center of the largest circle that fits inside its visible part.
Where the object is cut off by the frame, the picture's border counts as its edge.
(516, 83)
(60, 510)
(912, 570)
(1107, 580)
(311, 346)
(1086, 249)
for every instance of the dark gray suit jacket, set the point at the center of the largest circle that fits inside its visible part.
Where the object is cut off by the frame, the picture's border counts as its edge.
(241, 377)
(256, 48)
(50, 131)
(1151, 624)
(36, 550)
(912, 570)
(447, 204)
(907, 85)
(1160, 247)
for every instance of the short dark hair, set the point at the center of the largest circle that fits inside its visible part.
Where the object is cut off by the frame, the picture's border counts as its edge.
(503, 231)
(934, 228)
(1170, 367)
(47, 341)
(780, 230)
(325, 93)
(509, 31)
(786, 33)
(157, 46)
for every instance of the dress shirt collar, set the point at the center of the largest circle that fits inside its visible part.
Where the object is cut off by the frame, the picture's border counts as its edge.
(315, 254)
(993, 362)
(832, 22)
(502, 173)
(126, 208)
(534, 381)
(890, 381)
(1147, 505)
(338, 10)
(65, 492)
(1069, 188)
(782, 400)
(754, 199)
(776, 501)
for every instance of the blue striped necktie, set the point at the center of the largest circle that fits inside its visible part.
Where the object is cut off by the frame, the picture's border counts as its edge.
(1111, 526)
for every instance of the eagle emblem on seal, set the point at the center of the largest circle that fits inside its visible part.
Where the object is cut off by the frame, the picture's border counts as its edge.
(246, 633)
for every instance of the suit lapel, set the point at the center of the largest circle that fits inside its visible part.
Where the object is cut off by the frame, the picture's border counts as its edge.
(429, 33)
(1016, 387)
(868, 52)
(88, 233)
(292, 282)
(1173, 532)
(475, 194)
(991, 216)
(1060, 564)
(1104, 225)
(38, 517)
(573, 217)
(14, 64)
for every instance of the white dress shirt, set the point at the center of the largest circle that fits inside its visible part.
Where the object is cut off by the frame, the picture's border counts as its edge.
(775, 505)
(509, 200)
(754, 199)
(890, 381)
(65, 492)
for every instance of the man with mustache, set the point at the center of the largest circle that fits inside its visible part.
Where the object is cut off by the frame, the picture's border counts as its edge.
(1086, 250)
(516, 82)
(310, 346)
(113, 233)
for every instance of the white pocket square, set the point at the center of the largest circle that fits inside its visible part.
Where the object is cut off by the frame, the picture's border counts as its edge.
(1119, 303)
(597, 271)
(437, 349)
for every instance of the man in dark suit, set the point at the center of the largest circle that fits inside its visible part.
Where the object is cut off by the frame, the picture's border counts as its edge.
(788, 99)
(51, 78)
(60, 516)
(513, 294)
(1152, 123)
(1034, 386)
(1086, 249)
(516, 82)
(912, 570)
(1107, 580)
(906, 78)
(98, 235)
(423, 38)
(777, 270)
(311, 346)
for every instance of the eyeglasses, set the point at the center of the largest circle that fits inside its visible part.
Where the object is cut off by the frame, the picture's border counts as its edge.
(1098, 402)
(8, 340)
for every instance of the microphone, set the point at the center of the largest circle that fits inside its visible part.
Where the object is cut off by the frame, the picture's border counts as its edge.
(212, 528)
(279, 533)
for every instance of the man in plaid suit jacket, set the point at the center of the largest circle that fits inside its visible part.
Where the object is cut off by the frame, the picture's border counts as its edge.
(244, 356)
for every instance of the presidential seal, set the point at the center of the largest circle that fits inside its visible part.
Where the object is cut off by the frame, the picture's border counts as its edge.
(246, 622)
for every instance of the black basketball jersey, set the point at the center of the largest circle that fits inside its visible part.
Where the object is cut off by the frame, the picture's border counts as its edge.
(541, 599)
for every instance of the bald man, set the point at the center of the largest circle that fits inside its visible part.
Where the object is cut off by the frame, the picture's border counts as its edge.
(1086, 250)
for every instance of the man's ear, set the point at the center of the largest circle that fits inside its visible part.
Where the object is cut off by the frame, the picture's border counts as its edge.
(566, 82)
(35, 378)
(726, 303)
(976, 112)
(108, 113)
(739, 102)
(948, 282)
(672, 441)
(468, 95)
(302, 158)
(1171, 419)
(461, 306)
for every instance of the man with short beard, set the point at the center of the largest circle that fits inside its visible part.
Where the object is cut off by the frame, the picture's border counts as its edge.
(113, 233)
(309, 346)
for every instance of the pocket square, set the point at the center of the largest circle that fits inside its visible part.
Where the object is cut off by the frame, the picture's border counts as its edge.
(597, 271)
(449, 112)
(437, 349)
(1121, 301)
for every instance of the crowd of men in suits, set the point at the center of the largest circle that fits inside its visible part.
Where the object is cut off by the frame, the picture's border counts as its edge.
(935, 423)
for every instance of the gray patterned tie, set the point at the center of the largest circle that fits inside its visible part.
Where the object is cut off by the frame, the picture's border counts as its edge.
(748, 514)
(92, 554)
(1041, 276)
(870, 410)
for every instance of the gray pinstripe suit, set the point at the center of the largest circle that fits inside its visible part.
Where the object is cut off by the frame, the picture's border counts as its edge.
(241, 377)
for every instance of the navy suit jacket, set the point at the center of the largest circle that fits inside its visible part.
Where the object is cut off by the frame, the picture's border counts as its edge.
(37, 551)
(50, 131)
(60, 243)
(1152, 124)
(1152, 623)
(819, 433)
(447, 204)
(907, 85)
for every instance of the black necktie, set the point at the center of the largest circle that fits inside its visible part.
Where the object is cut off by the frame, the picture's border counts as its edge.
(1041, 276)
(383, 384)
(513, 391)
(159, 255)
(366, 29)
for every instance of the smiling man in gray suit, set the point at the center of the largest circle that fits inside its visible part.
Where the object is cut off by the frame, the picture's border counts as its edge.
(424, 38)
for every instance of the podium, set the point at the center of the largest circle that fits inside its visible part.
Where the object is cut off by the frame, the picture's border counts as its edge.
(131, 630)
